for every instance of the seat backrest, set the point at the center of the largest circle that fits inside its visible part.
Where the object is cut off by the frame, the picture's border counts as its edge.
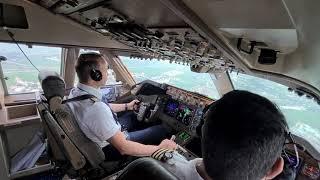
(146, 168)
(63, 127)
(89, 149)
(61, 145)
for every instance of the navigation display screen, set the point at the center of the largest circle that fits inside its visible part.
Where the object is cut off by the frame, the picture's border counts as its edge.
(171, 108)
(179, 111)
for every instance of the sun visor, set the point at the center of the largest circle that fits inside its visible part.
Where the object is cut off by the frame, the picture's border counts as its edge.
(13, 16)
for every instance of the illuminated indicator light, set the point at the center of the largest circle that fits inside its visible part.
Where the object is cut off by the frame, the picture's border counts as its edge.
(184, 136)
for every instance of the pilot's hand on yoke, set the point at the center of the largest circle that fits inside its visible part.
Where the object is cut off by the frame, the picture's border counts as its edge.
(133, 105)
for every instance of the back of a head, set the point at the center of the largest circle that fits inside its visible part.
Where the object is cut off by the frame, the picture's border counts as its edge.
(243, 136)
(85, 63)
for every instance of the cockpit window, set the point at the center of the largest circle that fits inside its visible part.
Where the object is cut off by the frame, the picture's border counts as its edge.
(174, 74)
(20, 75)
(302, 114)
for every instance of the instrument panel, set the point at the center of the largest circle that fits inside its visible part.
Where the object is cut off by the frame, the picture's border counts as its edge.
(304, 167)
(185, 107)
(180, 111)
(183, 110)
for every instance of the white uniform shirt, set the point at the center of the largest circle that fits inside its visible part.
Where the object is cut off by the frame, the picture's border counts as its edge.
(182, 168)
(95, 119)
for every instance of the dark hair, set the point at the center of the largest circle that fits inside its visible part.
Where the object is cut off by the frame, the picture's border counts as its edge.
(85, 63)
(243, 136)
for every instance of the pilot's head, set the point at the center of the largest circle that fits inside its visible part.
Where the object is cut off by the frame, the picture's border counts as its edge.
(243, 137)
(92, 69)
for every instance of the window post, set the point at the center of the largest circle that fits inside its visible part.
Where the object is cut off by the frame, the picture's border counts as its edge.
(3, 85)
(222, 82)
(68, 60)
(122, 73)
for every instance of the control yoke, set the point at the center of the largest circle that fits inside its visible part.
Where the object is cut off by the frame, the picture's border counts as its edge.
(147, 107)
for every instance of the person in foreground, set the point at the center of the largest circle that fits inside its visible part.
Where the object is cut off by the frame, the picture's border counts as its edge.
(242, 139)
(98, 121)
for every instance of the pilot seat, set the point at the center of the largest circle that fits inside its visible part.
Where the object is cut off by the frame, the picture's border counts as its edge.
(70, 150)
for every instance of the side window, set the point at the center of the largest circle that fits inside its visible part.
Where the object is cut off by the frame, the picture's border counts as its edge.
(111, 75)
(302, 114)
(20, 75)
(174, 74)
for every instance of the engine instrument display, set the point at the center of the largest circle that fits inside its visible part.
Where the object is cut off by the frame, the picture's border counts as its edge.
(185, 114)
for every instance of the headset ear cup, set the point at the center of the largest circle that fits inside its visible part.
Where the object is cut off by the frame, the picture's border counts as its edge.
(96, 75)
(99, 75)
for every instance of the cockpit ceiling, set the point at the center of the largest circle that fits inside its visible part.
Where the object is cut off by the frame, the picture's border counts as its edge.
(249, 19)
(264, 21)
(148, 26)
(244, 14)
(148, 13)
(151, 14)
(157, 32)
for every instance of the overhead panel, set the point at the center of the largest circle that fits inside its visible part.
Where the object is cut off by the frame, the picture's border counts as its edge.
(147, 26)
(45, 27)
(148, 13)
(70, 6)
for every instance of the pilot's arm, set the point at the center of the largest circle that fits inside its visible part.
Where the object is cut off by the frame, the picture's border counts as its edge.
(127, 147)
(122, 107)
(101, 123)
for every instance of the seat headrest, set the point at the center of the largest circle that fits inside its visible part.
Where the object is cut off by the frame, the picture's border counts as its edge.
(52, 84)
(146, 168)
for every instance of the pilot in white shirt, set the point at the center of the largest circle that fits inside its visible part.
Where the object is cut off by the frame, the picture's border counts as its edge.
(94, 118)
(97, 119)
